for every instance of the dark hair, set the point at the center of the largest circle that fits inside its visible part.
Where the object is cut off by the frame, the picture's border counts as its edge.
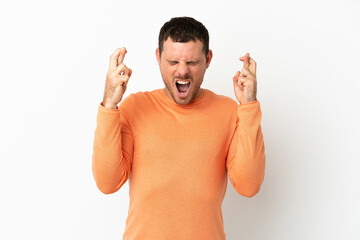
(184, 29)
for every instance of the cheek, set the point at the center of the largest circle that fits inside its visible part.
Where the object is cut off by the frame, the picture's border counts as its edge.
(165, 72)
(168, 70)
(198, 73)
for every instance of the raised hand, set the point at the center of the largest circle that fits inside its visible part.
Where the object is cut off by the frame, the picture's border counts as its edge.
(117, 78)
(245, 81)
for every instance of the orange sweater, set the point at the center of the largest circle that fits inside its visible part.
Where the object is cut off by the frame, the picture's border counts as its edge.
(177, 158)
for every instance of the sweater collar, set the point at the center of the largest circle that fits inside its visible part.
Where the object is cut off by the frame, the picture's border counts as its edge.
(194, 104)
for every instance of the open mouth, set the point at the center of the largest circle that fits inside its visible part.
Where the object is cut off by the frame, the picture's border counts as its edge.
(183, 87)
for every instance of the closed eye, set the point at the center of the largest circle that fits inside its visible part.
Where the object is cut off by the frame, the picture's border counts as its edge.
(192, 63)
(172, 63)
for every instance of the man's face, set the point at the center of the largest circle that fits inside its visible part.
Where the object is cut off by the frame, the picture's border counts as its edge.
(182, 67)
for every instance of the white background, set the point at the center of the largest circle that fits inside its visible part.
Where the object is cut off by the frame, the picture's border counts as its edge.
(54, 57)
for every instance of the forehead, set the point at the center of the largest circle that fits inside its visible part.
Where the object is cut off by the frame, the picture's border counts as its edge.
(179, 50)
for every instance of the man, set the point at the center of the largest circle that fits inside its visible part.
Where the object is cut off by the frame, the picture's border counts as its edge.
(177, 145)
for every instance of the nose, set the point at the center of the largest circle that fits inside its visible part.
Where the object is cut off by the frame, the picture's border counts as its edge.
(183, 70)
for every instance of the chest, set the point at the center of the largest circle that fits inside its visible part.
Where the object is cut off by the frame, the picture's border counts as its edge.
(162, 133)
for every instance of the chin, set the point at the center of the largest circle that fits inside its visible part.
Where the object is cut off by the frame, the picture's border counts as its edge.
(182, 101)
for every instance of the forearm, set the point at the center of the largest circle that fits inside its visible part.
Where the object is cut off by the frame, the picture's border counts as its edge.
(110, 169)
(246, 165)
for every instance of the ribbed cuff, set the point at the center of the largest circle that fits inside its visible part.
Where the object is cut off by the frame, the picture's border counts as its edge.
(102, 108)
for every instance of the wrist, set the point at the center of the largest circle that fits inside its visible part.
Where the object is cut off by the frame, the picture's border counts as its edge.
(109, 105)
(248, 102)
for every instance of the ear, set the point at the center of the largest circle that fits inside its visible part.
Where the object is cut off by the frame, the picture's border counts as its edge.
(157, 55)
(208, 58)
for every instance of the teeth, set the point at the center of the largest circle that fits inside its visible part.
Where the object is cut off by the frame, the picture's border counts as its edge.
(182, 82)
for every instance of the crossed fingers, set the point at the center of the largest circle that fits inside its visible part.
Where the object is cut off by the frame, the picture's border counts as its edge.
(116, 63)
(249, 66)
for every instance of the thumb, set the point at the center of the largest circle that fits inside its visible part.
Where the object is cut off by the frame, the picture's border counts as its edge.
(235, 78)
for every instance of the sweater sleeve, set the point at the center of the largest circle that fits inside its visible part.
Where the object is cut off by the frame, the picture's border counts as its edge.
(245, 162)
(112, 150)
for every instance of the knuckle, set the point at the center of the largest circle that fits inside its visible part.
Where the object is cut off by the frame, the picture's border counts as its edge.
(114, 75)
(126, 77)
(121, 66)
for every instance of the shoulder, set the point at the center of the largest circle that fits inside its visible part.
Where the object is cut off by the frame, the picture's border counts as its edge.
(138, 97)
(138, 102)
(222, 101)
(223, 108)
